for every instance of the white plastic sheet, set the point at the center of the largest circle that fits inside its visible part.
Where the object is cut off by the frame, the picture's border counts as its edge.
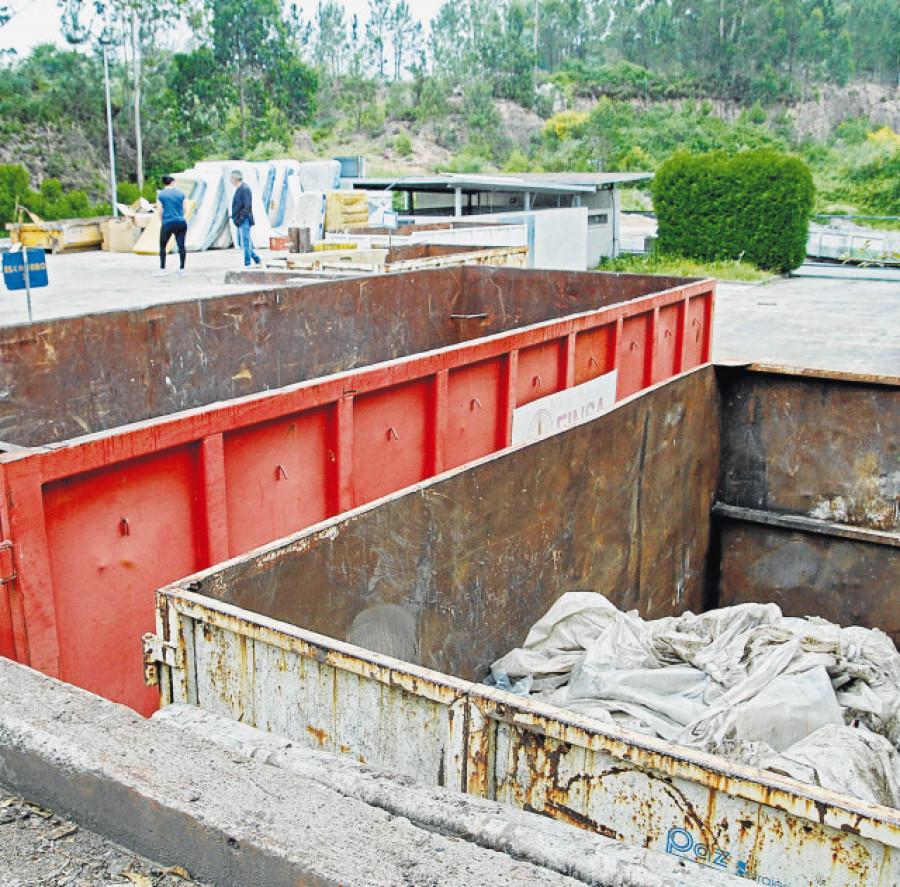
(794, 695)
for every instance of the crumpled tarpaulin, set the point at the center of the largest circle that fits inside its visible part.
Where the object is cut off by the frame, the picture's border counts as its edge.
(802, 697)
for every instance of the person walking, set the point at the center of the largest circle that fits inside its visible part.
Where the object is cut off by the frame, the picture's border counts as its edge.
(242, 215)
(170, 202)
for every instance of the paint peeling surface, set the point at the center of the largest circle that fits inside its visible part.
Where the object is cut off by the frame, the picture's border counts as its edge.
(440, 731)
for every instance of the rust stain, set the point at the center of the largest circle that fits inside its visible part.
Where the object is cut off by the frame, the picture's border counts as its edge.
(321, 736)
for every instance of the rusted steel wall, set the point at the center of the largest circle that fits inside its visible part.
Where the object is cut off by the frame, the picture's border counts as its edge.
(509, 295)
(823, 448)
(809, 496)
(843, 580)
(451, 575)
(69, 377)
(65, 378)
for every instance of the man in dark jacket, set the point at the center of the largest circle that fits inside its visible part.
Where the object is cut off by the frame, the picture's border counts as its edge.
(242, 216)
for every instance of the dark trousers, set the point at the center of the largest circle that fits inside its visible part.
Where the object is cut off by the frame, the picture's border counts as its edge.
(179, 229)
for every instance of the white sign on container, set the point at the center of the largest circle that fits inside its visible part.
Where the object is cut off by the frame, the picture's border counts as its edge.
(559, 411)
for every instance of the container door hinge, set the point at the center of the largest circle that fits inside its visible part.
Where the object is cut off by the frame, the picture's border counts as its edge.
(7, 563)
(158, 652)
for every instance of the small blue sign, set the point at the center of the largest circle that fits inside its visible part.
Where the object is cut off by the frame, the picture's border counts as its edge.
(390, 219)
(14, 269)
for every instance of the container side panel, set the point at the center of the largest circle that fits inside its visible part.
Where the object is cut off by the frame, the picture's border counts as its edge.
(811, 574)
(666, 357)
(510, 297)
(810, 466)
(539, 372)
(7, 639)
(390, 436)
(593, 353)
(528, 755)
(276, 479)
(820, 448)
(471, 560)
(697, 331)
(473, 411)
(81, 375)
(64, 378)
(323, 706)
(695, 821)
(635, 354)
(113, 536)
(8, 569)
(225, 672)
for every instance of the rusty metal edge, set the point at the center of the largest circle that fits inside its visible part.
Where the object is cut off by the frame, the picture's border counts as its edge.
(433, 685)
(812, 803)
(814, 373)
(803, 524)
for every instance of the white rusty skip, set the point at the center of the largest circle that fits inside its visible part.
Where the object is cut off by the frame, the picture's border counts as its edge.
(440, 730)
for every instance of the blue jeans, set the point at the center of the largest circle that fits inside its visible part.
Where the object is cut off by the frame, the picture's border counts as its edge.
(243, 232)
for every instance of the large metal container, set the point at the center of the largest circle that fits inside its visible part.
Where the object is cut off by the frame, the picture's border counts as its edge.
(91, 526)
(443, 578)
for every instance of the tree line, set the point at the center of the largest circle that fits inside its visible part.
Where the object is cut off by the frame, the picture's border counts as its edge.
(247, 74)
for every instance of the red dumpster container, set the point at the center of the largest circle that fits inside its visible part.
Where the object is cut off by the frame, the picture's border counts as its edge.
(92, 526)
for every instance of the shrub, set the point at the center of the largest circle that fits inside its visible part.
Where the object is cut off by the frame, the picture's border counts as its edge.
(403, 144)
(565, 124)
(753, 205)
(48, 202)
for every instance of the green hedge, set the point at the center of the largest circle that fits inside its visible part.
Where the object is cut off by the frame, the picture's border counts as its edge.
(753, 205)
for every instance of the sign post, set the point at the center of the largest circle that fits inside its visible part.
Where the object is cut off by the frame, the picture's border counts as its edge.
(390, 222)
(24, 269)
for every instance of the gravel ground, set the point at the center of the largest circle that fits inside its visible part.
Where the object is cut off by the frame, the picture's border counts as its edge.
(40, 849)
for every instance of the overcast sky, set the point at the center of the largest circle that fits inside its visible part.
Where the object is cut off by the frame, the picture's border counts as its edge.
(37, 21)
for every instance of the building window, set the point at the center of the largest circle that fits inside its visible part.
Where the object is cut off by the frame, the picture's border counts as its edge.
(601, 219)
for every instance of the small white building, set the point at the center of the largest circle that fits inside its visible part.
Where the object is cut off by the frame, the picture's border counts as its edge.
(576, 239)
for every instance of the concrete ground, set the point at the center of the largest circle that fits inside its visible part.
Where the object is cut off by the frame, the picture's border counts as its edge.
(94, 281)
(838, 325)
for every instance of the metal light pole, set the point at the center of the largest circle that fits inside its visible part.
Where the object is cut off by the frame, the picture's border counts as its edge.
(76, 32)
(109, 130)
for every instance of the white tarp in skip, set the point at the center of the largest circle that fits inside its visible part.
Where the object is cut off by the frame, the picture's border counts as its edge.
(803, 697)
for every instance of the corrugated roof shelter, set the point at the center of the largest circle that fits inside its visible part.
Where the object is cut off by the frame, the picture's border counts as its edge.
(512, 195)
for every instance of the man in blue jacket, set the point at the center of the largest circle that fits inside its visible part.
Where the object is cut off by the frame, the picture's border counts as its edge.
(170, 203)
(242, 216)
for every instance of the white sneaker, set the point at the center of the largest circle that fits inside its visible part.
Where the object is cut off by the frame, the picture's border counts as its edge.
(160, 273)
(180, 272)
